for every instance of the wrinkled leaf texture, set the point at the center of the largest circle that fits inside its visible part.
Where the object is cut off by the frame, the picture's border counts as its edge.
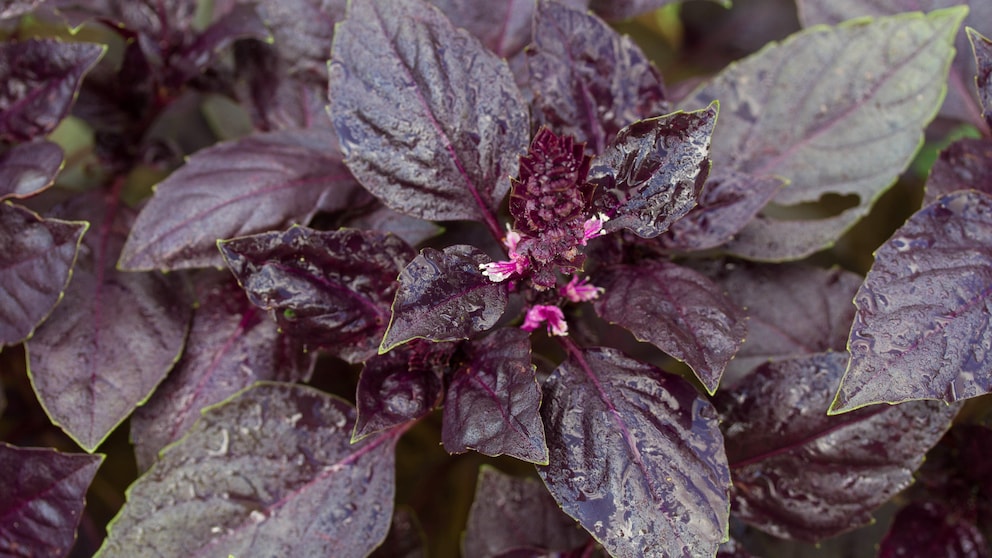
(932, 529)
(964, 165)
(114, 336)
(443, 296)
(28, 168)
(263, 182)
(861, 92)
(922, 329)
(329, 289)
(588, 80)
(801, 474)
(676, 309)
(231, 345)
(982, 49)
(430, 121)
(39, 79)
(42, 499)
(516, 513)
(652, 172)
(960, 103)
(493, 401)
(270, 472)
(636, 456)
(36, 260)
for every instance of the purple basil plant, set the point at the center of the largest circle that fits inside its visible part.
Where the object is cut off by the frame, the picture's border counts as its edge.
(399, 278)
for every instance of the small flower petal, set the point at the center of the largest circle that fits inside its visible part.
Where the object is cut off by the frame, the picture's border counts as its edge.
(542, 313)
(593, 227)
(580, 290)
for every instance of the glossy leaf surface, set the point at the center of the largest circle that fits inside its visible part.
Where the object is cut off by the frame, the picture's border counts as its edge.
(982, 49)
(960, 102)
(588, 80)
(42, 499)
(860, 92)
(651, 174)
(799, 473)
(28, 168)
(430, 121)
(728, 203)
(636, 456)
(400, 386)
(964, 165)
(443, 296)
(271, 472)
(677, 310)
(931, 529)
(922, 327)
(40, 79)
(302, 33)
(250, 185)
(329, 289)
(493, 402)
(512, 513)
(36, 259)
(112, 339)
(231, 345)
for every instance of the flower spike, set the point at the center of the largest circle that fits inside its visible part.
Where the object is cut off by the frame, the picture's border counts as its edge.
(545, 313)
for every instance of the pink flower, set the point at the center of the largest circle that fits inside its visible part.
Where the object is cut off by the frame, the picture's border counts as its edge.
(497, 272)
(593, 227)
(580, 290)
(545, 313)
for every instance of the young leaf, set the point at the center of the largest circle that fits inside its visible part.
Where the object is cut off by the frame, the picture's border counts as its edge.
(400, 386)
(444, 297)
(651, 174)
(36, 259)
(636, 456)
(931, 529)
(727, 204)
(922, 327)
(259, 183)
(861, 93)
(964, 165)
(270, 472)
(511, 513)
(42, 499)
(588, 80)
(303, 31)
(676, 309)
(240, 22)
(40, 80)
(275, 98)
(28, 168)
(626, 9)
(112, 339)
(430, 121)
(493, 403)
(231, 345)
(801, 474)
(329, 289)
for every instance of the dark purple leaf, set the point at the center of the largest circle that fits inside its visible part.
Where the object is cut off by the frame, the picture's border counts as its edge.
(40, 78)
(676, 309)
(303, 31)
(960, 102)
(112, 338)
(626, 9)
(242, 22)
(651, 174)
(964, 165)
(259, 183)
(792, 309)
(636, 456)
(163, 24)
(36, 259)
(405, 538)
(413, 231)
(588, 80)
(504, 26)
(430, 121)
(329, 289)
(511, 512)
(922, 327)
(493, 402)
(29, 168)
(733, 549)
(276, 99)
(982, 49)
(727, 204)
(861, 94)
(802, 474)
(931, 529)
(231, 345)
(400, 386)
(272, 472)
(443, 296)
(41, 499)
(14, 8)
